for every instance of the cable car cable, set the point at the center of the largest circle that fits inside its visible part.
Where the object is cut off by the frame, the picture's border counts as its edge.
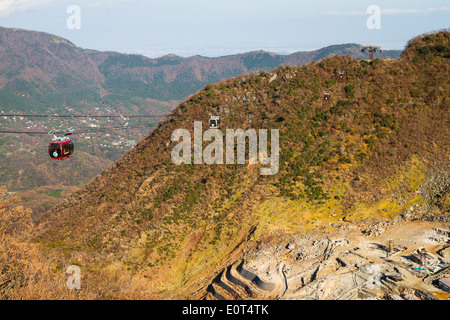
(61, 146)
(106, 129)
(79, 116)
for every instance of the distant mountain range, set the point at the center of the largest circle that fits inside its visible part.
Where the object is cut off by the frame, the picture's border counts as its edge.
(40, 71)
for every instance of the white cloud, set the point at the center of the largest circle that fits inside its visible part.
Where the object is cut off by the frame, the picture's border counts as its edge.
(345, 13)
(387, 11)
(408, 11)
(8, 7)
(109, 4)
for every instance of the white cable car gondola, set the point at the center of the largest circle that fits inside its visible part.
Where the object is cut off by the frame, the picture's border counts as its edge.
(214, 122)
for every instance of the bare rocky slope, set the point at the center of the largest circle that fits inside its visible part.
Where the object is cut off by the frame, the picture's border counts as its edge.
(377, 151)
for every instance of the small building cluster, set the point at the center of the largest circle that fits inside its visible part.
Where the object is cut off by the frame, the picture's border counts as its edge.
(423, 257)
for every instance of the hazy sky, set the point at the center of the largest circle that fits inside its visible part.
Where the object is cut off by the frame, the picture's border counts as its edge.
(214, 28)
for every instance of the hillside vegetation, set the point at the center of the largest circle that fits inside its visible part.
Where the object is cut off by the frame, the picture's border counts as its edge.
(366, 155)
(42, 73)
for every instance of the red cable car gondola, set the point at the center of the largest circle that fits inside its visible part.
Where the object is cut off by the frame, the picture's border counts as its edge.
(61, 147)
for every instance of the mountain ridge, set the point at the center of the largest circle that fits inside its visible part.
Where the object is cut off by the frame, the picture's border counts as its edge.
(30, 56)
(45, 74)
(359, 158)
